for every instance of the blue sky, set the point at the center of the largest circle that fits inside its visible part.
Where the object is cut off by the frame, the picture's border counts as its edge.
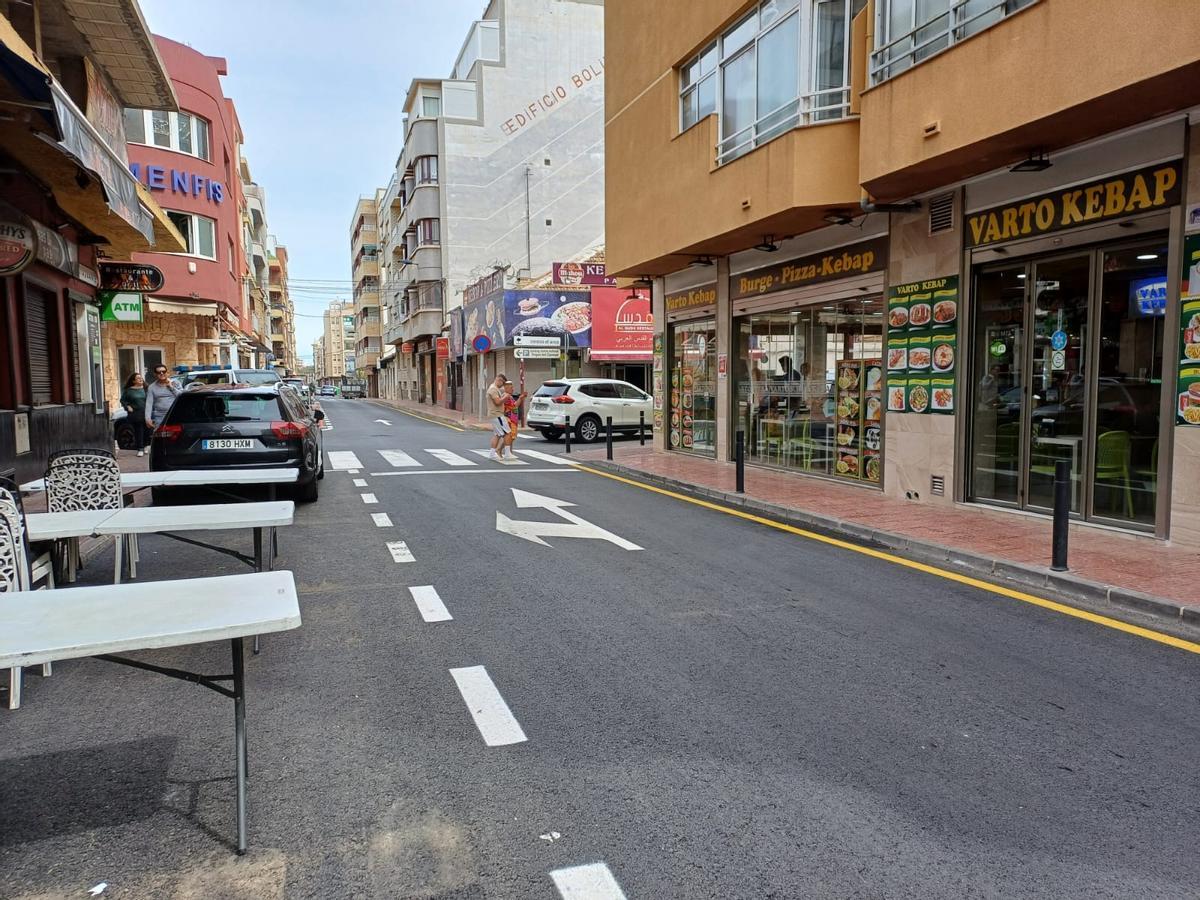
(319, 89)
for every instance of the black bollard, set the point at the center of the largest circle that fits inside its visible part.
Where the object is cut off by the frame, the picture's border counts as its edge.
(739, 459)
(642, 427)
(567, 433)
(608, 436)
(1062, 514)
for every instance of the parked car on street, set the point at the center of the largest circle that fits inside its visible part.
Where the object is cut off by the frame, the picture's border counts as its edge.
(228, 427)
(227, 375)
(327, 390)
(589, 402)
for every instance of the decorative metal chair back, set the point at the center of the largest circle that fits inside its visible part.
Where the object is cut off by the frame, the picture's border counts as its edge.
(83, 479)
(14, 562)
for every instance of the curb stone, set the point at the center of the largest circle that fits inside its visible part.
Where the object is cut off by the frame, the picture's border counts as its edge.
(1067, 588)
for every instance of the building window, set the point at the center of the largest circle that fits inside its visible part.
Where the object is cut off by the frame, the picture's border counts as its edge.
(910, 31)
(428, 232)
(178, 131)
(783, 65)
(427, 170)
(431, 106)
(199, 233)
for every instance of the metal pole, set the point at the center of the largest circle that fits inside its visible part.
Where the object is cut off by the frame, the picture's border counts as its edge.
(642, 427)
(239, 738)
(1062, 513)
(739, 459)
(567, 432)
(608, 436)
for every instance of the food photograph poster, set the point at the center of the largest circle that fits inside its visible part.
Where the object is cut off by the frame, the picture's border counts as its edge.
(1187, 406)
(922, 345)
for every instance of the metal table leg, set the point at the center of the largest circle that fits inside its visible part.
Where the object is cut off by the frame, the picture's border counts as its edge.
(239, 733)
(118, 560)
(260, 554)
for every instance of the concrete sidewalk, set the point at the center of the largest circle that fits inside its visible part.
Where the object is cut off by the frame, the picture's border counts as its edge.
(1107, 567)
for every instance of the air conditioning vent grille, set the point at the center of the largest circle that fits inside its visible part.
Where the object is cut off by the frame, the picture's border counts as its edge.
(941, 214)
(937, 485)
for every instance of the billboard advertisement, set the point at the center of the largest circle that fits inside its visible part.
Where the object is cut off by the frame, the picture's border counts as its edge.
(539, 313)
(622, 325)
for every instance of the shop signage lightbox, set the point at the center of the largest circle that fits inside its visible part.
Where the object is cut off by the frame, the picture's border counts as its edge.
(692, 298)
(1138, 191)
(18, 241)
(622, 325)
(130, 277)
(842, 262)
(119, 306)
(573, 273)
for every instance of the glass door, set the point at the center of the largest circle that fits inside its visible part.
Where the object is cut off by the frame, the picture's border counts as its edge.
(693, 406)
(1058, 399)
(998, 364)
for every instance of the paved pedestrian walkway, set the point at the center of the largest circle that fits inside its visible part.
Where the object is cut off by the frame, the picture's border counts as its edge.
(1106, 565)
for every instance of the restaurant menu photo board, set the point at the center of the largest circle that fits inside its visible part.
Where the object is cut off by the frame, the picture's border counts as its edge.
(859, 409)
(922, 345)
(1187, 404)
(683, 385)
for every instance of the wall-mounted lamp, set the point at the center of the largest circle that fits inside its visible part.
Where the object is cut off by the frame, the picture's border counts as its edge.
(836, 217)
(700, 261)
(1037, 162)
(768, 245)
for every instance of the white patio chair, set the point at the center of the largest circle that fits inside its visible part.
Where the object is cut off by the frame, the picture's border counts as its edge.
(83, 480)
(16, 572)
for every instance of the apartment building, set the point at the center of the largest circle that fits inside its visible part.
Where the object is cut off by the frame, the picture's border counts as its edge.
(70, 206)
(318, 365)
(282, 311)
(502, 170)
(254, 345)
(928, 249)
(364, 273)
(338, 342)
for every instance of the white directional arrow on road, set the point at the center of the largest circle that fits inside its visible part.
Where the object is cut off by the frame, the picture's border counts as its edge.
(573, 527)
(384, 421)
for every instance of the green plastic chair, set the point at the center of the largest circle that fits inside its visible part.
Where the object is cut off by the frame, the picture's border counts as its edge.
(1112, 465)
(1149, 476)
(1008, 445)
(802, 447)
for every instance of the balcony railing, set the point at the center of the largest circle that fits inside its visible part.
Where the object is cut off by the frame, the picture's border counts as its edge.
(964, 19)
(808, 109)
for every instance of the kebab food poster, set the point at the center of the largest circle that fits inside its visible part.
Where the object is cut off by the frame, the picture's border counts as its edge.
(922, 345)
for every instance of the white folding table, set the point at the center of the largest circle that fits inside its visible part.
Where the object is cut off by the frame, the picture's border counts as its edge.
(133, 481)
(37, 627)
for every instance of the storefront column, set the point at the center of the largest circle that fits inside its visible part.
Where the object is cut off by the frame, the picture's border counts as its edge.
(658, 376)
(916, 446)
(724, 342)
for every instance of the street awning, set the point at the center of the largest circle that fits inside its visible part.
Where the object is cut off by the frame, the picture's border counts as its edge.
(109, 202)
(181, 307)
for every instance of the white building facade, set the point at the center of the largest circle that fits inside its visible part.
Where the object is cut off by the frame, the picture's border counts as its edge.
(502, 168)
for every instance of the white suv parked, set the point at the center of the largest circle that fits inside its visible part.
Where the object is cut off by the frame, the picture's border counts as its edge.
(589, 402)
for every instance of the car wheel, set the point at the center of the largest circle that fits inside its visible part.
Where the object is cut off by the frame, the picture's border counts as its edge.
(307, 493)
(552, 434)
(587, 429)
(125, 437)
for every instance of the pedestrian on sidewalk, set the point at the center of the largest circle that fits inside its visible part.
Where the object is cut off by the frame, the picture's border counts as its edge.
(497, 416)
(133, 399)
(159, 397)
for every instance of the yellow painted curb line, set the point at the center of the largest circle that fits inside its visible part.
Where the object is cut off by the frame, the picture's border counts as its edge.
(1147, 633)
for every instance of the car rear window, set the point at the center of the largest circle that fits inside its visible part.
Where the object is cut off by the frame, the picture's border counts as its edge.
(199, 408)
(551, 389)
(209, 378)
(257, 377)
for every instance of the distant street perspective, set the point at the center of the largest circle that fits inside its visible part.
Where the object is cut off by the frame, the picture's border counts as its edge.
(599, 450)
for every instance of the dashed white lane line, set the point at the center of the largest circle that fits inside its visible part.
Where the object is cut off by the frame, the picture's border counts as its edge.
(381, 520)
(360, 482)
(343, 459)
(547, 457)
(449, 458)
(492, 716)
(400, 552)
(398, 458)
(370, 498)
(429, 604)
(593, 881)
(508, 460)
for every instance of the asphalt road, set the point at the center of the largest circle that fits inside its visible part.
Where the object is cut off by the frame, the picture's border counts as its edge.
(730, 712)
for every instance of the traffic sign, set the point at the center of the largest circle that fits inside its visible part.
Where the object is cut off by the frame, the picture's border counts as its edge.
(481, 344)
(535, 340)
(537, 353)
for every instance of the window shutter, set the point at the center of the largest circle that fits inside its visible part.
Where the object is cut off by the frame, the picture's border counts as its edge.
(37, 339)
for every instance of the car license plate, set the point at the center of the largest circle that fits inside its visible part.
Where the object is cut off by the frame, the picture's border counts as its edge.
(540, 404)
(228, 444)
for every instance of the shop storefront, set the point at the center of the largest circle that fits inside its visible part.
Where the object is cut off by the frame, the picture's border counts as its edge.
(691, 363)
(1072, 345)
(623, 334)
(808, 375)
